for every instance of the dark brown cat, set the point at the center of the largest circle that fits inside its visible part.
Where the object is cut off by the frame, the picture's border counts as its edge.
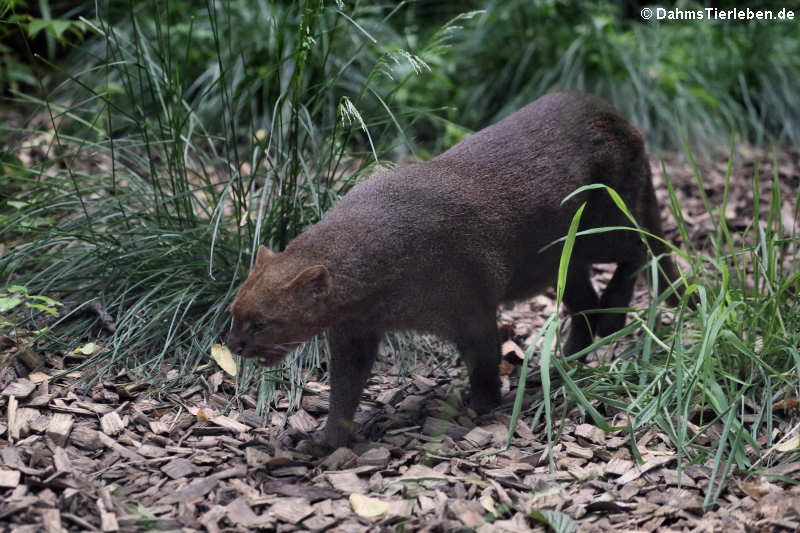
(436, 246)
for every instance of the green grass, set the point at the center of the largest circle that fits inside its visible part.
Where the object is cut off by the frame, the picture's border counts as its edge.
(151, 189)
(182, 136)
(712, 78)
(710, 380)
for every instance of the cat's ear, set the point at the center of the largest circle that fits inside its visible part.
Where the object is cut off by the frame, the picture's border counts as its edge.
(263, 255)
(314, 281)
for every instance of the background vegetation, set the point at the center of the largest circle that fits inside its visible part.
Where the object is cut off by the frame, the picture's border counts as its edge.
(151, 146)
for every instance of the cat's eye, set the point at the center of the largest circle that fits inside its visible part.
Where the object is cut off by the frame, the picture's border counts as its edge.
(262, 324)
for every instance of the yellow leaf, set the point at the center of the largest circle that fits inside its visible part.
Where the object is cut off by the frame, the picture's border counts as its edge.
(224, 358)
(791, 445)
(87, 349)
(367, 507)
(487, 503)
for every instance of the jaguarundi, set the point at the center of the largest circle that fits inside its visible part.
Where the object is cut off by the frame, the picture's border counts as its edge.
(436, 246)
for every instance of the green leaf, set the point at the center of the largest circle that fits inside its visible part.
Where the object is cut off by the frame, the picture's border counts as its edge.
(615, 197)
(87, 349)
(566, 254)
(35, 26)
(578, 395)
(523, 373)
(6, 304)
(705, 96)
(54, 27)
(42, 307)
(8, 158)
(58, 27)
(544, 374)
(46, 300)
(558, 522)
(36, 222)
(20, 72)
(18, 289)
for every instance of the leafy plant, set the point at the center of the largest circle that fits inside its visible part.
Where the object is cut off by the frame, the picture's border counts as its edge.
(187, 134)
(195, 173)
(728, 77)
(20, 27)
(17, 295)
(712, 379)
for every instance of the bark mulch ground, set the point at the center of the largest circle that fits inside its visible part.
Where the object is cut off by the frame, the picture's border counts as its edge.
(117, 457)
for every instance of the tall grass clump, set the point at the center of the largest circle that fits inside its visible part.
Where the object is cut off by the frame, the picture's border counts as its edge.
(182, 137)
(720, 379)
(728, 76)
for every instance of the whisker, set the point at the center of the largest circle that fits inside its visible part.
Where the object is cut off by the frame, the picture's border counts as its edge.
(289, 344)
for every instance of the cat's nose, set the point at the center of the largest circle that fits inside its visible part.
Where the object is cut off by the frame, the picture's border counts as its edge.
(236, 342)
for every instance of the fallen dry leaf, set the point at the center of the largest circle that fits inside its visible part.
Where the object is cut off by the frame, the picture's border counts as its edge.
(9, 478)
(759, 487)
(38, 377)
(511, 348)
(367, 507)
(423, 459)
(790, 445)
(487, 502)
(506, 368)
(224, 358)
(792, 402)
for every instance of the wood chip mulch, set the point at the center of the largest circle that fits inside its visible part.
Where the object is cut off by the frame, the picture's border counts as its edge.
(113, 459)
(116, 457)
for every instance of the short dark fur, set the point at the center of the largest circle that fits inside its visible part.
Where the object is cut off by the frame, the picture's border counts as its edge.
(437, 246)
